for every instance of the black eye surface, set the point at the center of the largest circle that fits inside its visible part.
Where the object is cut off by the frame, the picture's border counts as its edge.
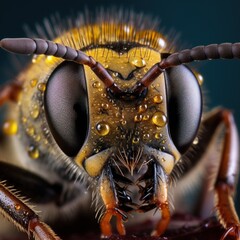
(184, 105)
(67, 106)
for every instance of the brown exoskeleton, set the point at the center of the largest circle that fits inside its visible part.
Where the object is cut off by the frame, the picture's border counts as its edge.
(111, 106)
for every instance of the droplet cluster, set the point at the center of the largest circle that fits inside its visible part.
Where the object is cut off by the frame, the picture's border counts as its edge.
(31, 105)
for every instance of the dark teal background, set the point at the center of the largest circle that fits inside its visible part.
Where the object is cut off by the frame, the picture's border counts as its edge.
(197, 22)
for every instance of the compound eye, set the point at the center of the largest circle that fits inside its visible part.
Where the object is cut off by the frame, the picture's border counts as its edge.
(184, 105)
(67, 106)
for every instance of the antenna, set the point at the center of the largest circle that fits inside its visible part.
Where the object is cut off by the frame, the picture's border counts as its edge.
(40, 46)
(199, 53)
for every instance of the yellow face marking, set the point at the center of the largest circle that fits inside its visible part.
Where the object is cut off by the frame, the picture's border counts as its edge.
(167, 161)
(94, 164)
(127, 62)
(108, 116)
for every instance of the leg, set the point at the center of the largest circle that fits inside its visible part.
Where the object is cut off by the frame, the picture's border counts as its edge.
(161, 201)
(225, 180)
(219, 169)
(225, 184)
(39, 191)
(109, 199)
(18, 212)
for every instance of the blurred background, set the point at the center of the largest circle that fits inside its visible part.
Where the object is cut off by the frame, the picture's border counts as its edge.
(197, 23)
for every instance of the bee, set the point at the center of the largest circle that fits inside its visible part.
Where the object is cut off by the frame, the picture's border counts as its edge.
(110, 110)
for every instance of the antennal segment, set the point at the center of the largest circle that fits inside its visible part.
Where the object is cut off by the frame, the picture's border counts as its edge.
(147, 79)
(213, 51)
(41, 46)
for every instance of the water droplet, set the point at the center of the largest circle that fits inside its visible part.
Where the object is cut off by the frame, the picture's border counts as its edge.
(30, 131)
(118, 114)
(96, 84)
(146, 117)
(135, 140)
(146, 70)
(33, 82)
(122, 136)
(137, 133)
(159, 119)
(35, 112)
(10, 127)
(196, 141)
(142, 108)
(146, 136)
(103, 95)
(163, 148)
(152, 85)
(158, 99)
(17, 207)
(138, 118)
(24, 119)
(158, 135)
(41, 87)
(37, 138)
(105, 65)
(123, 122)
(102, 128)
(115, 74)
(105, 106)
(199, 78)
(163, 160)
(137, 62)
(33, 152)
(96, 150)
(49, 59)
(161, 42)
(26, 213)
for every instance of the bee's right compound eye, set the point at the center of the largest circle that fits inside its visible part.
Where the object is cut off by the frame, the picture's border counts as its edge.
(67, 106)
(184, 105)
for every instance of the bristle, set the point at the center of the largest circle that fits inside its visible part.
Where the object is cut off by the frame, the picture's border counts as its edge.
(103, 27)
(98, 204)
(24, 200)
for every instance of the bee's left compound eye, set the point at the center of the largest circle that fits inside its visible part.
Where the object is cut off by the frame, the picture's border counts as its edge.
(67, 106)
